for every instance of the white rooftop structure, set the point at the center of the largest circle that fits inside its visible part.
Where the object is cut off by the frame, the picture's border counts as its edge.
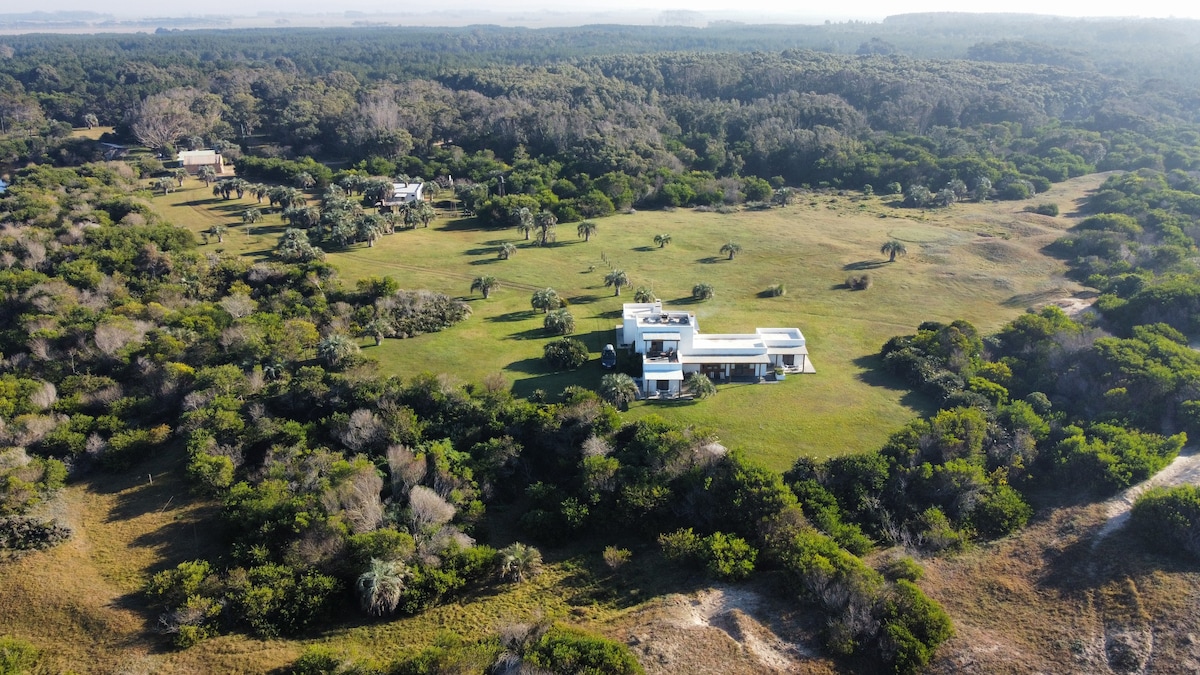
(404, 193)
(672, 347)
(192, 160)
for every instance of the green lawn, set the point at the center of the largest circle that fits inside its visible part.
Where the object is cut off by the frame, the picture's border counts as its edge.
(978, 262)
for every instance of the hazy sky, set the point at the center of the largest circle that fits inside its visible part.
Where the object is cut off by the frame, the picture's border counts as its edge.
(870, 9)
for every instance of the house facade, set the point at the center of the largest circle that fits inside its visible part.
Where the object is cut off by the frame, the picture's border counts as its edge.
(672, 347)
(192, 160)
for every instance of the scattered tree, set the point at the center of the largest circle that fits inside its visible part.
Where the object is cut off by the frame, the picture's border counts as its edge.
(545, 300)
(519, 562)
(699, 385)
(702, 291)
(731, 249)
(892, 249)
(506, 251)
(485, 285)
(616, 279)
(586, 229)
(559, 322)
(618, 389)
(380, 587)
(662, 240)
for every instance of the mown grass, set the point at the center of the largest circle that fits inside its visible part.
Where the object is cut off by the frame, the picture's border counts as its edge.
(980, 262)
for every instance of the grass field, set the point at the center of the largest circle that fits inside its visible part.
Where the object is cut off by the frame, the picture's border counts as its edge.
(980, 262)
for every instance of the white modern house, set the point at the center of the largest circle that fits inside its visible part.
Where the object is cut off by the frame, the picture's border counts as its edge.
(404, 193)
(673, 347)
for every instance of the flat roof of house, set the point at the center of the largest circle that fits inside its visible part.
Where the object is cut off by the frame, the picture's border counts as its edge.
(663, 375)
(724, 358)
(719, 341)
(198, 156)
(787, 350)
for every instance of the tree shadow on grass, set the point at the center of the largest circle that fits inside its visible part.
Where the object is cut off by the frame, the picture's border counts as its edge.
(582, 299)
(463, 225)
(865, 265)
(685, 300)
(482, 250)
(712, 259)
(531, 334)
(485, 261)
(644, 249)
(872, 373)
(512, 316)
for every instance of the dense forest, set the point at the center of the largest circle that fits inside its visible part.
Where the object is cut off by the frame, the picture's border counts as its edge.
(341, 491)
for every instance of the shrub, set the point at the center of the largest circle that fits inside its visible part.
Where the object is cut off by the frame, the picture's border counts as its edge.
(570, 650)
(702, 291)
(776, 291)
(858, 282)
(902, 568)
(616, 557)
(565, 354)
(728, 556)
(22, 533)
(17, 657)
(1169, 518)
(1043, 209)
(913, 627)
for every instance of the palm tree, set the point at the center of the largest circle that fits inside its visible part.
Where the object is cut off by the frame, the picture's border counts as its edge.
(485, 285)
(732, 248)
(219, 232)
(545, 300)
(206, 173)
(164, 184)
(336, 349)
(700, 385)
(506, 251)
(519, 562)
(586, 229)
(643, 294)
(380, 587)
(378, 329)
(545, 222)
(616, 279)
(369, 228)
(662, 240)
(425, 212)
(179, 174)
(304, 180)
(524, 219)
(618, 389)
(559, 322)
(702, 291)
(251, 216)
(892, 249)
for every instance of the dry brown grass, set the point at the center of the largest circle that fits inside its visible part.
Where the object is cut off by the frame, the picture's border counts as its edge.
(1051, 600)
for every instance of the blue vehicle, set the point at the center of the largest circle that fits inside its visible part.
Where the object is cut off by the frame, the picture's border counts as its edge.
(608, 357)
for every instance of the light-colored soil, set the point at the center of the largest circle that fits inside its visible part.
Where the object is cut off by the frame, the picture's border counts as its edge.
(724, 629)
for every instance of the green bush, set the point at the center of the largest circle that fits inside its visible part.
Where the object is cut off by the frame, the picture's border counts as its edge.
(565, 354)
(1044, 209)
(1169, 518)
(728, 556)
(1000, 510)
(18, 657)
(902, 568)
(913, 627)
(570, 651)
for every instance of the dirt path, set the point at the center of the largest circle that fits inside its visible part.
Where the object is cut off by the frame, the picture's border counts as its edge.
(1185, 469)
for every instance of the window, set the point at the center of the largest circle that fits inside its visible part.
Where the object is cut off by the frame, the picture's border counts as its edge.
(664, 385)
